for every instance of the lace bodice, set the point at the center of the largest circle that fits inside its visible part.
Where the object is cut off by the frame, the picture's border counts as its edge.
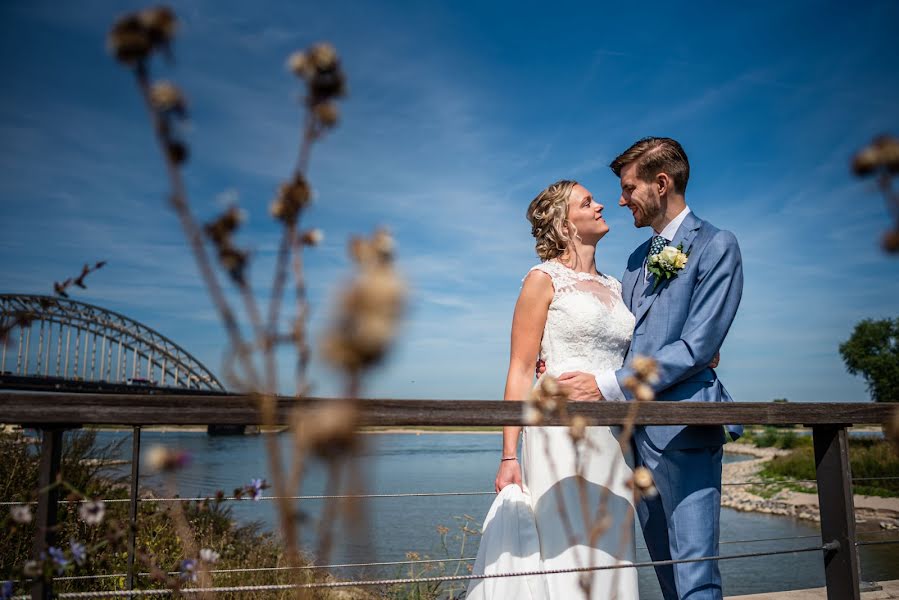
(588, 327)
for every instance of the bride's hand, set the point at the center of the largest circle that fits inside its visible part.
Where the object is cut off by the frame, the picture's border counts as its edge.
(509, 472)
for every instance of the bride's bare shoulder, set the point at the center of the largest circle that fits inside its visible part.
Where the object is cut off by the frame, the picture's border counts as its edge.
(537, 284)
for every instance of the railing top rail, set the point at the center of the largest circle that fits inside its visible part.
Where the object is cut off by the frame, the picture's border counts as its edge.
(174, 409)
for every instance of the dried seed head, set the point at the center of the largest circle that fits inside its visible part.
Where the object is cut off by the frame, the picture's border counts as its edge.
(366, 324)
(548, 397)
(646, 369)
(312, 237)
(375, 251)
(549, 385)
(234, 261)
(323, 56)
(293, 196)
(578, 428)
(326, 113)
(644, 393)
(177, 152)
(160, 23)
(368, 312)
(643, 483)
(328, 431)
(324, 85)
(220, 230)
(888, 148)
(299, 64)
(866, 161)
(891, 241)
(882, 153)
(166, 97)
(129, 41)
(531, 415)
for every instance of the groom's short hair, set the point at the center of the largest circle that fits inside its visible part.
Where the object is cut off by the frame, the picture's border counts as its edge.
(655, 155)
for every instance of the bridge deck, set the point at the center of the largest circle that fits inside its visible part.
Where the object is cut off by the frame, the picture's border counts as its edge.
(890, 590)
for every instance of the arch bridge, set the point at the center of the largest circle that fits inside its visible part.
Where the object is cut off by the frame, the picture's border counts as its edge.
(66, 340)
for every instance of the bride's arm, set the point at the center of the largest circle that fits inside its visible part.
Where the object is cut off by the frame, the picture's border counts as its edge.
(527, 331)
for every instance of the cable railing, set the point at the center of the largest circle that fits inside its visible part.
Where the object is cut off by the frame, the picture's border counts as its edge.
(761, 482)
(394, 563)
(54, 413)
(433, 579)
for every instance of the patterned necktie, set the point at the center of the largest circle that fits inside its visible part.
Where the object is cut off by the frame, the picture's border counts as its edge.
(657, 244)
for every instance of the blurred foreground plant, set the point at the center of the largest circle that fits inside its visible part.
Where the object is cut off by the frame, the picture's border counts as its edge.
(881, 159)
(370, 308)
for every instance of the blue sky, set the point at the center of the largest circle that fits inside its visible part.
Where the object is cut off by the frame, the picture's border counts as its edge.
(458, 114)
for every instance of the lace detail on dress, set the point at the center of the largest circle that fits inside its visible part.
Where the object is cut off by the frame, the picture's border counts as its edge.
(588, 327)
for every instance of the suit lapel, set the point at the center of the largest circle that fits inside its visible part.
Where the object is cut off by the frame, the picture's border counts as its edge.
(685, 235)
(633, 275)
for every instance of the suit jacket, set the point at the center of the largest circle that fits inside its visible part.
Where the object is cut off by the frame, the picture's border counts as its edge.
(682, 324)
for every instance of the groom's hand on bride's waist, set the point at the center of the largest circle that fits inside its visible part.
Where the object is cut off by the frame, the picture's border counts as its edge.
(580, 386)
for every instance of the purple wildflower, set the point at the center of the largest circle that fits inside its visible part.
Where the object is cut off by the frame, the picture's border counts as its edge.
(59, 559)
(189, 569)
(255, 488)
(79, 552)
(6, 590)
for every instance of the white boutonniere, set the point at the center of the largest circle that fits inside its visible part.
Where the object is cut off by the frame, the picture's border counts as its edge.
(666, 264)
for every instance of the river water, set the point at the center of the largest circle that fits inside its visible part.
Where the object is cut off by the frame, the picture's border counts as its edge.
(394, 463)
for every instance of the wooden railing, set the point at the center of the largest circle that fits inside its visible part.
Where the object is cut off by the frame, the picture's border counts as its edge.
(55, 412)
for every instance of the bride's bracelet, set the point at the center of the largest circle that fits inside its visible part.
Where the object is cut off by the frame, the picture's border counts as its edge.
(504, 458)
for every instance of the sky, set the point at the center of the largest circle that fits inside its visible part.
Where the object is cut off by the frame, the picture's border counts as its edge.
(458, 114)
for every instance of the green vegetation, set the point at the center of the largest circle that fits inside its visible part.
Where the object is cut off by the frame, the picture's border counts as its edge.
(873, 352)
(452, 545)
(214, 528)
(868, 459)
(774, 437)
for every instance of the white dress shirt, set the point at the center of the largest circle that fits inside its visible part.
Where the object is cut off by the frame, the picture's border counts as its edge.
(606, 381)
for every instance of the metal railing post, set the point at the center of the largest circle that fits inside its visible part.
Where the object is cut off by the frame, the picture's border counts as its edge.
(132, 510)
(837, 511)
(47, 503)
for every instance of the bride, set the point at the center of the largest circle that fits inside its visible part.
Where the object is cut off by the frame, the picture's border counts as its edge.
(567, 489)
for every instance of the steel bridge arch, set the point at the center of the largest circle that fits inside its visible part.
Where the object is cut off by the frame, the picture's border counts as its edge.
(150, 351)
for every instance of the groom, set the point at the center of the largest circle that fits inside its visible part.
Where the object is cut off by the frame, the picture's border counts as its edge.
(681, 322)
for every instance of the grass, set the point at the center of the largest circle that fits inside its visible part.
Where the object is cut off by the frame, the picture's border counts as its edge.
(239, 546)
(867, 458)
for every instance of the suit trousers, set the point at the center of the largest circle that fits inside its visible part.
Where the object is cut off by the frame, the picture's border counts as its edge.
(682, 521)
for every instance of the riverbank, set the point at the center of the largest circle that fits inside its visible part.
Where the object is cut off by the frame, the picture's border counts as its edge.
(742, 491)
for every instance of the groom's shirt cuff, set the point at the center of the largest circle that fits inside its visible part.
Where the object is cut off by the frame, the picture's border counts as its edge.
(608, 385)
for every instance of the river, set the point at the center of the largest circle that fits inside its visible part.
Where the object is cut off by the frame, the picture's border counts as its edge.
(451, 462)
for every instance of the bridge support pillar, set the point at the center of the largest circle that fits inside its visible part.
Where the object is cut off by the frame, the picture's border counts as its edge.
(837, 511)
(47, 503)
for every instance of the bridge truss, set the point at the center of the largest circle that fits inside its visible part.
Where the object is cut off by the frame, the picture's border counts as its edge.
(68, 340)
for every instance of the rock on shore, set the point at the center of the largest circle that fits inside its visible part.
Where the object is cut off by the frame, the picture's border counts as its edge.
(873, 511)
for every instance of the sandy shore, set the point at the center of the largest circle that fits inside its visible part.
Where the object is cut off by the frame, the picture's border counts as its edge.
(871, 512)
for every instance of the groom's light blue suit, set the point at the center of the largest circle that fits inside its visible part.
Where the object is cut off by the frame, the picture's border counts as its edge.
(682, 324)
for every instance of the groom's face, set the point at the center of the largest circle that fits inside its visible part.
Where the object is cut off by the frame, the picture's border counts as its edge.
(641, 197)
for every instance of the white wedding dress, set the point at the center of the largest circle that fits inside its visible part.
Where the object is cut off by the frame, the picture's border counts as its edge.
(588, 328)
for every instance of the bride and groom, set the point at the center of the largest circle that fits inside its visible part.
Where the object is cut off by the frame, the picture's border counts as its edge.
(586, 328)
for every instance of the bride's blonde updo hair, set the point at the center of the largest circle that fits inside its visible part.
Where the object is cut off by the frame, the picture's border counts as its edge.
(548, 214)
